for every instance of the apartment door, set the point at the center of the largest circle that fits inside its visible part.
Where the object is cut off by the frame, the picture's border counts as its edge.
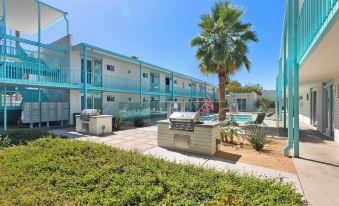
(154, 104)
(168, 84)
(313, 108)
(97, 75)
(89, 71)
(94, 101)
(241, 105)
(155, 82)
(329, 110)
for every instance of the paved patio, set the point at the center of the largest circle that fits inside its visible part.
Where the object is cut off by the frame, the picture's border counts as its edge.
(144, 140)
(317, 168)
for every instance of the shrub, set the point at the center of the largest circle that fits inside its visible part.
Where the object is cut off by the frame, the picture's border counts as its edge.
(4, 141)
(22, 136)
(53, 171)
(228, 130)
(257, 136)
(139, 122)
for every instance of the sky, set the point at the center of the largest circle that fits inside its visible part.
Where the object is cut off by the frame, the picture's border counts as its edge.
(160, 31)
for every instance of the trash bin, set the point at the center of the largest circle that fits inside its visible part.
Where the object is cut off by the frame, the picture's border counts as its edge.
(74, 119)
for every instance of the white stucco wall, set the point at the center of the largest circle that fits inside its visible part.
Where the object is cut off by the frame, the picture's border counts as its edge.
(75, 103)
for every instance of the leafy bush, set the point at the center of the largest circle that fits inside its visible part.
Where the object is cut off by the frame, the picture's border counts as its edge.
(257, 136)
(4, 142)
(265, 103)
(116, 123)
(139, 122)
(53, 171)
(22, 137)
(228, 130)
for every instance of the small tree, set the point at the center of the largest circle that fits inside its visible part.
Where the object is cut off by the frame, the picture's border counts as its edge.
(222, 45)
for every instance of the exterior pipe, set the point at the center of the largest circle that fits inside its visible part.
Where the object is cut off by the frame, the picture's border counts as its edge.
(85, 76)
(140, 84)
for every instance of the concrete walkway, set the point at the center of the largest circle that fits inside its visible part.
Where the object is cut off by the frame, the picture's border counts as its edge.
(145, 141)
(318, 168)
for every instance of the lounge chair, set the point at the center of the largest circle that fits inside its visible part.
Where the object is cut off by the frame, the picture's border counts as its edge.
(259, 120)
(270, 114)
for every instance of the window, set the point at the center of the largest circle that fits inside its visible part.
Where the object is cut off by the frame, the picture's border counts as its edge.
(110, 68)
(145, 99)
(145, 75)
(129, 99)
(110, 98)
(307, 97)
(175, 82)
(189, 85)
(129, 71)
(183, 85)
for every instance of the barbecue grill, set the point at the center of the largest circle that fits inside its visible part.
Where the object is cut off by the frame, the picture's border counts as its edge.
(184, 121)
(87, 113)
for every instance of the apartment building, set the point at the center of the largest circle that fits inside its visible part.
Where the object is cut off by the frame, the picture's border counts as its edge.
(48, 82)
(308, 77)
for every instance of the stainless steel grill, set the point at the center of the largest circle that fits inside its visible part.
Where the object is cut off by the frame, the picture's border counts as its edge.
(87, 113)
(184, 120)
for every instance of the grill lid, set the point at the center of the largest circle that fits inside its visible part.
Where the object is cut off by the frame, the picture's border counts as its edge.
(184, 117)
(87, 113)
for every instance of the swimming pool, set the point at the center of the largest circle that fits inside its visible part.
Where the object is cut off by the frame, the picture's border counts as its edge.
(212, 117)
(241, 118)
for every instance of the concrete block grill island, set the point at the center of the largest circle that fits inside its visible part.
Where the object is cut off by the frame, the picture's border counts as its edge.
(183, 131)
(91, 122)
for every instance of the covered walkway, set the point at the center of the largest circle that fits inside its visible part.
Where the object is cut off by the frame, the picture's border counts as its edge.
(318, 167)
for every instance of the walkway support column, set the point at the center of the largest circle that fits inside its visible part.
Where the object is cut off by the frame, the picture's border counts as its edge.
(290, 77)
(4, 19)
(85, 76)
(285, 83)
(4, 7)
(296, 81)
(205, 89)
(172, 86)
(67, 24)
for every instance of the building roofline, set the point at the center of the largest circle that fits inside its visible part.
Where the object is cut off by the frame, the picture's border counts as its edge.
(52, 7)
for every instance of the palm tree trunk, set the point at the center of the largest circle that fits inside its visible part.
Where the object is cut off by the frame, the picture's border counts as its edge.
(222, 102)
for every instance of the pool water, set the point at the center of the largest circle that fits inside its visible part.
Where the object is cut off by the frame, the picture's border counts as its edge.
(237, 118)
(213, 117)
(241, 118)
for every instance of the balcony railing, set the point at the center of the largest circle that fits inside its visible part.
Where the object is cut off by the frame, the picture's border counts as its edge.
(12, 50)
(313, 19)
(33, 74)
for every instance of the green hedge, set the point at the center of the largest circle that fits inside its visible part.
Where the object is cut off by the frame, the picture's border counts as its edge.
(22, 137)
(53, 171)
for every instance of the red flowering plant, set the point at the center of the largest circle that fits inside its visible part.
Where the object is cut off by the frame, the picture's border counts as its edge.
(206, 108)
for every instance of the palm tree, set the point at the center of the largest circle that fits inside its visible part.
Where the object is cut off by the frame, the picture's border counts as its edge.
(222, 45)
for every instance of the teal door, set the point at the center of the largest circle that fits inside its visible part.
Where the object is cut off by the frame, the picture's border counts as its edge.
(97, 75)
